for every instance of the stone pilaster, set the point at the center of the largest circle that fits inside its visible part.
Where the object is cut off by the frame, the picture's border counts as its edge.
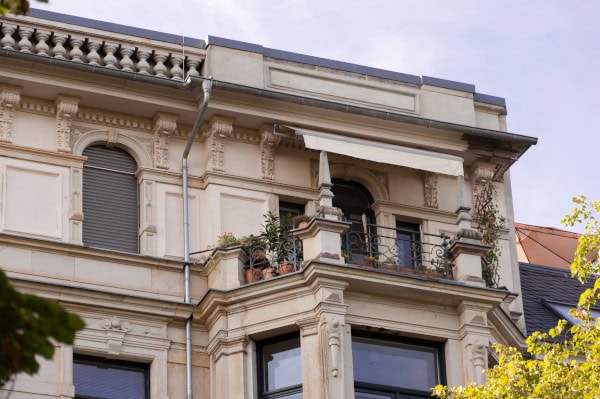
(230, 367)
(313, 376)
(474, 334)
(10, 96)
(164, 126)
(76, 207)
(148, 229)
(66, 109)
(268, 142)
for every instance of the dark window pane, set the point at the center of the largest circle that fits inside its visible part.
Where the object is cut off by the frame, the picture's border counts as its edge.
(282, 364)
(108, 381)
(394, 364)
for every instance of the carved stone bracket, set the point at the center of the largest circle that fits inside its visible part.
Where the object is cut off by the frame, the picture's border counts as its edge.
(116, 330)
(164, 126)
(66, 109)
(481, 173)
(334, 332)
(220, 129)
(10, 96)
(268, 142)
(477, 355)
(430, 181)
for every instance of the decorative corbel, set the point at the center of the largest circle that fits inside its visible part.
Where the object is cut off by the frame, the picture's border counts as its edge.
(116, 330)
(430, 181)
(482, 172)
(10, 96)
(333, 342)
(220, 128)
(164, 126)
(66, 109)
(268, 142)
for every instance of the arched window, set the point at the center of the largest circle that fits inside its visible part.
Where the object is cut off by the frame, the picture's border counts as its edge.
(110, 199)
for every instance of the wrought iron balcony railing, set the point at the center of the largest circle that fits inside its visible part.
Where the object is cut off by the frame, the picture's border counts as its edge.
(397, 249)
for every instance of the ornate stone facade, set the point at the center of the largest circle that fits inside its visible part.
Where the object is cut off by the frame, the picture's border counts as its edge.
(66, 109)
(164, 126)
(10, 96)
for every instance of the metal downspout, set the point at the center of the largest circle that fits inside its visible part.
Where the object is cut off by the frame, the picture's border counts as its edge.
(206, 87)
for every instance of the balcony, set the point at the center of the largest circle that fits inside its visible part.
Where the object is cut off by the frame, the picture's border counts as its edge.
(377, 248)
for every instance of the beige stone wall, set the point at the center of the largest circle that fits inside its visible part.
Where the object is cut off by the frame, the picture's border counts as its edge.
(240, 167)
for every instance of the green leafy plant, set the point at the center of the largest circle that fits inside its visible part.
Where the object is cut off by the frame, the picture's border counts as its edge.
(553, 369)
(29, 327)
(490, 224)
(275, 232)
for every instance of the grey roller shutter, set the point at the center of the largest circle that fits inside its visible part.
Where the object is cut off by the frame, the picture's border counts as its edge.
(110, 199)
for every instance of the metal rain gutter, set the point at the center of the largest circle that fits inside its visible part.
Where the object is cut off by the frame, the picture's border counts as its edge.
(206, 87)
(368, 112)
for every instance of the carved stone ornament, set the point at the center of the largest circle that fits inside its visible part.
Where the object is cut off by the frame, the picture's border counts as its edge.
(221, 128)
(430, 181)
(482, 172)
(10, 96)
(164, 126)
(333, 342)
(66, 109)
(115, 324)
(268, 142)
(478, 355)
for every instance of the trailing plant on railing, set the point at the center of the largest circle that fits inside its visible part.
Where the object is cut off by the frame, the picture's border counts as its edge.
(490, 224)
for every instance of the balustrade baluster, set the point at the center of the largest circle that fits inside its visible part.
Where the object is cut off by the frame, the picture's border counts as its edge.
(25, 44)
(8, 31)
(110, 60)
(126, 61)
(59, 50)
(160, 70)
(93, 58)
(193, 67)
(76, 53)
(176, 71)
(42, 47)
(143, 66)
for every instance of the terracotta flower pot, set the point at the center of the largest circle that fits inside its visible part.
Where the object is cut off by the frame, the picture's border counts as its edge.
(253, 275)
(286, 267)
(268, 272)
(302, 225)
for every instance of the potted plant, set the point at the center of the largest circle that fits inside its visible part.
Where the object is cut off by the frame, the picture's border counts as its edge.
(275, 232)
(301, 221)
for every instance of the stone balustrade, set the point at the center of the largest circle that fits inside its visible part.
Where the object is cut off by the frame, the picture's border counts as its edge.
(165, 61)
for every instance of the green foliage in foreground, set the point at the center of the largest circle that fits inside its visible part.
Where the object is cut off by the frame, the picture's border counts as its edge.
(556, 370)
(16, 6)
(30, 326)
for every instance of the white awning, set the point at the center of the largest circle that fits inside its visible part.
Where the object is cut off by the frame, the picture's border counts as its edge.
(384, 153)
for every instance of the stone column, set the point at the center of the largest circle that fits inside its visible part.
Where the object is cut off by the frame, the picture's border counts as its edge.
(313, 375)
(466, 252)
(474, 334)
(229, 365)
(321, 239)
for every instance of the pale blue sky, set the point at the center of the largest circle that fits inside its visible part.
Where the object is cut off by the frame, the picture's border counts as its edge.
(541, 55)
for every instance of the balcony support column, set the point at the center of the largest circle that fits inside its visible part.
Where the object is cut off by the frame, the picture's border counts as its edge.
(466, 252)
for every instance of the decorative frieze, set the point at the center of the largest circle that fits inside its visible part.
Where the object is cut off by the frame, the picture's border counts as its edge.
(66, 108)
(268, 142)
(10, 96)
(219, 131)
(430, 181)
(164, 126)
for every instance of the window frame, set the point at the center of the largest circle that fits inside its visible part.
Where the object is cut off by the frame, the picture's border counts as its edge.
(112, 364)
(397, 392)
(263, 393)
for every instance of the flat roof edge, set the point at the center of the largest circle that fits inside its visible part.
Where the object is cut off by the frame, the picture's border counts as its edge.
(116, 28)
